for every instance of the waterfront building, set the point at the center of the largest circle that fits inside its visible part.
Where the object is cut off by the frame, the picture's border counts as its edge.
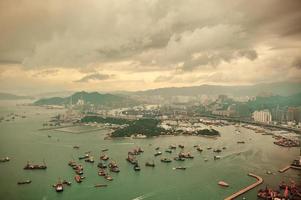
(263, 116)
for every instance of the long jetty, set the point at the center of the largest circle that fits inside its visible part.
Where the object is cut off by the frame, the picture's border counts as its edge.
(246, 189)
(284, 169)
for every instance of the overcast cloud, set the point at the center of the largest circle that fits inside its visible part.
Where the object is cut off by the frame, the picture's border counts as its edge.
(157, 43)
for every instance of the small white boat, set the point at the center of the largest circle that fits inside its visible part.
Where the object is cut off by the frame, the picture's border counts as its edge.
(224, 184)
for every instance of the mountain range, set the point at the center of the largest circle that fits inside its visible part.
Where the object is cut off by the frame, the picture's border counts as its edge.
(283, 89)
(92, 98)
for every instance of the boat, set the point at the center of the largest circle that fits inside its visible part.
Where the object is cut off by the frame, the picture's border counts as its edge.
(182, 168)
(84, 156)
(104, 157)
(78, 178)
(29, 166)
(166, 160)
(137, 167)
(113, 167)
(6, 159)
(216, 157)
(101, 172)
(59, 187)
(157, 148)
(208, 148)
(104, 150)
(101, 165)
(168, 151)
(100, 185)
(240, 142)
(217, 150)
(24, 182)
(181, 146)
(131, 160)
(179, 158)
(158, 153)
(72, 163)
(90, 159)
(75, 147)
(79, 172)
(148, 164)
(66, 182)
(172, 146)
(108, 177)
(222, 183)
(199, 149)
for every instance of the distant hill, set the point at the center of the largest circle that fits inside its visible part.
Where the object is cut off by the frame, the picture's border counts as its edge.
(275, 101)
(92, 98)
(283, 89)
(8, 96)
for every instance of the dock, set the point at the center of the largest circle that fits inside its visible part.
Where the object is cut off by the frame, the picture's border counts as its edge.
(246, 189)
(284, 169)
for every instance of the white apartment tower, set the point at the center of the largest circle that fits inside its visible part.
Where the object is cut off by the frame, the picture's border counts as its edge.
(263, 116)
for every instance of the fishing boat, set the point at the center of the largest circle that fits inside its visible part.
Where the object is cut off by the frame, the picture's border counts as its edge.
(166, 160)
(24, 182)
(181, 168)
(75, 147)
(217, 150)
(113, 167)
(104, 157)
(72, 163)
(216, 157)
(172, 146)
(29, 166)
(108, 177)
(90, 159)
(84, 156)
(208, 148)
(181, 146)
(102, 165)
(158, 153)
(179, 159)
(137, 167)
(6, 159)
(78, 178)
(66, 182)
(199, 149)
(79, 172)
(168, 151)
(222, 183)
(240, 142)
(157, 148)
(131, 160)
(148, 164)
(100, 185)
(59, 187)
(104, 150)
(101, 172)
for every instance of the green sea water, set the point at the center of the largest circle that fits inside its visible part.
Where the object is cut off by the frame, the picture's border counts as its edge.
(22, 141)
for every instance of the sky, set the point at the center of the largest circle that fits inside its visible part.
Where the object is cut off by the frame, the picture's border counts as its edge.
(129, 45)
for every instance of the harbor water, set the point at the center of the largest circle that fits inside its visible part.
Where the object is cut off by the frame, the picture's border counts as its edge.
(22, 141)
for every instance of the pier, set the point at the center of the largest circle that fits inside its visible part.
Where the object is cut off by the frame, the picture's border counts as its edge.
(246, 189)
(284, 169)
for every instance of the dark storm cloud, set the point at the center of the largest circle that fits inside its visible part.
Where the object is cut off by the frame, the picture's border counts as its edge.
(163, 34)
(95, 76)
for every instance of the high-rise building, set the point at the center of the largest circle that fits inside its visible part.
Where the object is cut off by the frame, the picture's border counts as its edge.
(293, 114)
(263, 116)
